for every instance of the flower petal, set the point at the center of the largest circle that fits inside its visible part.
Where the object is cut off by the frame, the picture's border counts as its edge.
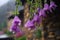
(46, 7)
(52, 4)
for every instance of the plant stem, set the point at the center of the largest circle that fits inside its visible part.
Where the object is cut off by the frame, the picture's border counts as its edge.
(45, 1)
(40, 3)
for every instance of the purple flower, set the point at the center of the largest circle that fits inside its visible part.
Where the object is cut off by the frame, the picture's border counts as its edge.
(46, 7)
(16, 19)
(29, 24)
(15, 28)
(15, 25)
(36, 18)
(42, 13)
(52, 4)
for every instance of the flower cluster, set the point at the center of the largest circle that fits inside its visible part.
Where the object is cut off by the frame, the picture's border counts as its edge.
(30, 24)
(41, 12)
(15, 27)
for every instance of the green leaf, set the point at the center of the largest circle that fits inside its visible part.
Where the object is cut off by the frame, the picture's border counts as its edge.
(20, 3)
(21, 38)
(8, 32)
(38, 33)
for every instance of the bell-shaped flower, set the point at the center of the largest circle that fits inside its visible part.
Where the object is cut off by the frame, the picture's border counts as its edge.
(52, 5)
(15, 25)
(46, 7)
(36, 18)
(29, 24)
(15, 28)
(42, 13)
(16, 18)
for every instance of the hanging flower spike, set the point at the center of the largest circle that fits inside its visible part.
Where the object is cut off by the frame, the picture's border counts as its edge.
(46, 7)
(29, 24)
(42, 13)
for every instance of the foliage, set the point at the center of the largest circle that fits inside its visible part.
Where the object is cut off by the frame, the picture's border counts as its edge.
(38, 33)
(8, 32)
(21, 38)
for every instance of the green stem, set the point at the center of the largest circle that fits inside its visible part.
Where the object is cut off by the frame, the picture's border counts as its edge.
(31, 9)
(16, 10)
(40, 3)
(45, 1)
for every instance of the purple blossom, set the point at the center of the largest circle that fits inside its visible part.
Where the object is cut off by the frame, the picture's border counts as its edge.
(42, 13)
(15, 25)
(52, 4)
(46, 7)
(29, 24)
(16, 19)
(15, 28)
(36, 18)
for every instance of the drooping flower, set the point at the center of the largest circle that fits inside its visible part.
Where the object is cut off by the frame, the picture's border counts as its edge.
(36, 18)
(15, 28)
(52, 5)
(16, 19)
(46, 7)
(29, 24)
(15, 25)
(42, 13)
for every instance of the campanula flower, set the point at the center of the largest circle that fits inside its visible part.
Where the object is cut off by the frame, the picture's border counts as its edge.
(29, 24)
(16, 19)
(42, 13)
(46, 7)
(15, 25)
(36, 18)
(52, 5)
